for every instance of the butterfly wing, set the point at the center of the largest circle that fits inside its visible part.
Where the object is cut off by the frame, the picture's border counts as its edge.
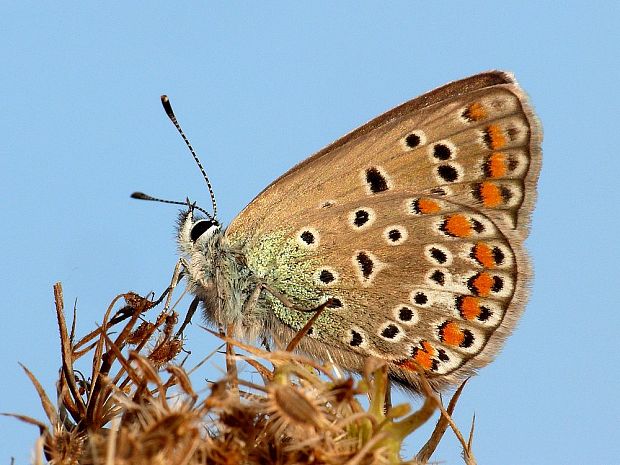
(430, 199)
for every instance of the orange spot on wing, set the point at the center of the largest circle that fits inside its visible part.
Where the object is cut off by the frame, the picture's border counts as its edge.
(483, 283)
(497, 165)
(490, 194)
(407, 365)
(470, 308)
(428, 206)
(423, 357)
(457, 225)
(475, 112)
(428, 347)
(494, 137)
(452, 334)
(484, 255)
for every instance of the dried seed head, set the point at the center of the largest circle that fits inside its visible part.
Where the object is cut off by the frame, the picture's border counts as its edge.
(65, 447)
(165, 351)
(140, 333)
(136, 301)
(171, 321)
(294, 410)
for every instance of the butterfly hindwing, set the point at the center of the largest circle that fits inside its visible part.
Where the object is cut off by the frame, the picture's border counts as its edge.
(405, 271)
(414, 224)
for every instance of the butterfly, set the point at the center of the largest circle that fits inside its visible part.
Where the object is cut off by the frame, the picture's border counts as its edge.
(409, 232)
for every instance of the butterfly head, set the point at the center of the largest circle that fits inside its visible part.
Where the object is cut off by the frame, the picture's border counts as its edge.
(197, 234)
(199, 238)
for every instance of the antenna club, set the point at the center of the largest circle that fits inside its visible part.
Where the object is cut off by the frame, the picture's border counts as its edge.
(140, 196)
(165, 101)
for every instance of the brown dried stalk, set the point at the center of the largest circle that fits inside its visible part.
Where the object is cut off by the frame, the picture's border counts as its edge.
(139, 407)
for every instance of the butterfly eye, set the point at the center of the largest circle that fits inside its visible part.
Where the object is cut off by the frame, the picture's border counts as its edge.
(200, 227)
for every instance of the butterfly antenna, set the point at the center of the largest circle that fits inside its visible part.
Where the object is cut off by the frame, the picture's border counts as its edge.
(143, 196)
(165, 101)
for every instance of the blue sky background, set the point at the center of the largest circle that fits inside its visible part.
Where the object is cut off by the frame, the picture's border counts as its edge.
(259, 86)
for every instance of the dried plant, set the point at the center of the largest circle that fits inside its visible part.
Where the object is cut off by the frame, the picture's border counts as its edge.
(138, 406)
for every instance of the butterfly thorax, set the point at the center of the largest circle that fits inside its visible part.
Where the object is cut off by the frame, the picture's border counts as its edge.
(216, 274)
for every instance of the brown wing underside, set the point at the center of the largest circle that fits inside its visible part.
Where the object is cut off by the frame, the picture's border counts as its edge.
(418, 219)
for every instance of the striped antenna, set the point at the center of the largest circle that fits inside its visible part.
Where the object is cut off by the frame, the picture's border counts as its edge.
(143, 196)
(165, 101)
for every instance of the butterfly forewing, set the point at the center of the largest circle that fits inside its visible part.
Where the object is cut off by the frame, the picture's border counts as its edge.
(414, 224)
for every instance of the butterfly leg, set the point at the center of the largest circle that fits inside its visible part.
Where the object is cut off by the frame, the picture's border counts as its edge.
(176, 277)
(179, 269)
(286, 301)
(249, 305)
(252, 300)
(188, 317)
